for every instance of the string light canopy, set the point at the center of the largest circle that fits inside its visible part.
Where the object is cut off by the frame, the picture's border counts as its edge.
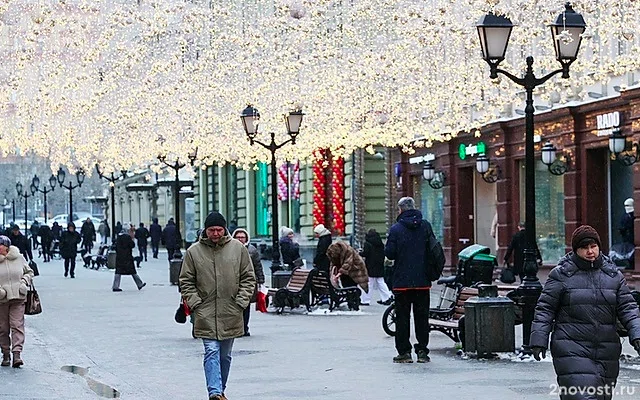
(88, 81)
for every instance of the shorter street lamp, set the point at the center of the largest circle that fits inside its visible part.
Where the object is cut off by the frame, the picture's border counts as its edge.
(250, 120)
(490, 173)
(177, 166)
(35, 184)
(70, 187)
(434, 178)
(26, 196)
(618, 148)
(112, 178)
(556, 166)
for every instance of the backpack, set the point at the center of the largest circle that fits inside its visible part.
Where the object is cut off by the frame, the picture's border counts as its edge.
(434, 257)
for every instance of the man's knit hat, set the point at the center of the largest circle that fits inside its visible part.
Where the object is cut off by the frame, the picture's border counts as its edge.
(582, 234)
(215, 219)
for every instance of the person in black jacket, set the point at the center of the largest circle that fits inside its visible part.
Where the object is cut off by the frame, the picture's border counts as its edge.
(46, 238)
(35, 228)
(290, 250)
(582, 299)
(321, 260)
(155, 231)
(373, 254)
(517, 247)
(124, 259)
(21, 242)
(56, 231)
(69, 242)
(88, 233)
(171, 238)
(142, 236)
(406, 244)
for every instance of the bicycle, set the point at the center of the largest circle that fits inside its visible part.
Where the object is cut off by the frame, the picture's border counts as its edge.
(443, 310)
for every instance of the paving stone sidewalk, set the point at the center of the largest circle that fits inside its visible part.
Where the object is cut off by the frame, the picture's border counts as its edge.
(130, 342)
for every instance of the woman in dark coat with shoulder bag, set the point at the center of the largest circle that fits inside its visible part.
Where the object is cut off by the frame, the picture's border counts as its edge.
(124, 259)
(373, 254)
(582, 299)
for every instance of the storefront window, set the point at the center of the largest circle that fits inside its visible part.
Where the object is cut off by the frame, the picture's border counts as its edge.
(431, 202)
(549, 191)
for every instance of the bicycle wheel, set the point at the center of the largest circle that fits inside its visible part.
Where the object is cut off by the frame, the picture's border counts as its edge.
(389, 320)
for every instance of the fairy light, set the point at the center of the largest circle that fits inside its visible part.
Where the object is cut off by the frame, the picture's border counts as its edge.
(88, 80)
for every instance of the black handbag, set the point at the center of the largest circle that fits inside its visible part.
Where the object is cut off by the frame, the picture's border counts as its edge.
(32, 305)
(507, 275)
(34, 267)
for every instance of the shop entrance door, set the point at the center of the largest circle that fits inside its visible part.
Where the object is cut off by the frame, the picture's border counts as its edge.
(596, 199)
(485, 209)
(465, 212)
(620, 189)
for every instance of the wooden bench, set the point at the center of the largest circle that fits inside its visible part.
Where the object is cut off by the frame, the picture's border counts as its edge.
(321, 287)
(295, 294)
(449, 321)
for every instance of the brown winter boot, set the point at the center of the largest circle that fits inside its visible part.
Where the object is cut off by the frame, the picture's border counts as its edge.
(6, 359)
(17, 362)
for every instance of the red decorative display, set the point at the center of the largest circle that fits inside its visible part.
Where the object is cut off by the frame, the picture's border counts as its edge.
(319, 183)
(337, 186)
(283, 182)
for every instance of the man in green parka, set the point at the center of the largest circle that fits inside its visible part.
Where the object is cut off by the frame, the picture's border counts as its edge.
(217, 281)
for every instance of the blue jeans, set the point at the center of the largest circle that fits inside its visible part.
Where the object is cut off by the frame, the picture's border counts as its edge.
(217, 362)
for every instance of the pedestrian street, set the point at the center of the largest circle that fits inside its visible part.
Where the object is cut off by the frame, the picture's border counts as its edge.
(130, 343)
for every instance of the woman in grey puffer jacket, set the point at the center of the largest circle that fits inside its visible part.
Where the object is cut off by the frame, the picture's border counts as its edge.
(581, 301)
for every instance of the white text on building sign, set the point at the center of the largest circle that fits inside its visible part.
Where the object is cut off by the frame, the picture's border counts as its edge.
(608, 122)
(421, 159)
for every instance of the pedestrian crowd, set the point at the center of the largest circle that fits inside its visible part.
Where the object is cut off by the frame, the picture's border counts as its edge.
(583, 302)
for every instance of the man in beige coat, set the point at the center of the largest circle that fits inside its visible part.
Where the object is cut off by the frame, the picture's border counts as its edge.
(217, 281)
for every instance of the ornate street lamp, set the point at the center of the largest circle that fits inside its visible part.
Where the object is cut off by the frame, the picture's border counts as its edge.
(70, 187)
(177, 166)
(25, 195)
(494, 32)
(490, 173)
(555, 164)
(35, 185)
(250, 118)
(112, 178)
(618, 148)
(434, 178)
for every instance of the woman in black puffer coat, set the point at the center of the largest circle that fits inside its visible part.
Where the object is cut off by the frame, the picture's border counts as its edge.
(581, 300)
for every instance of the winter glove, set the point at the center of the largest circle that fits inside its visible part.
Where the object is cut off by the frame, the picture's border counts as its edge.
(537, 350)
(636, 345)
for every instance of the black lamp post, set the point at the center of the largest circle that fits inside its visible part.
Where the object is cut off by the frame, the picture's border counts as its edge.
(177, 166)
(494, 32)
(70, 187)
(112, 178)
(26, 195)
(35, 183)
(250, 119)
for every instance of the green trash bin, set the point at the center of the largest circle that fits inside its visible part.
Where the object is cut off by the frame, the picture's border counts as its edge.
(475, 265)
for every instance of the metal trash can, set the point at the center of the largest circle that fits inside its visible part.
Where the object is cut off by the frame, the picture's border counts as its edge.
(280, 279)
(111, 259)
(174, 268)
(475, 264)
(489, 323)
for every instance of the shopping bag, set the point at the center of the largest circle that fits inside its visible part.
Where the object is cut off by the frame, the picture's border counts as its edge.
(32, 306)
(261, 299)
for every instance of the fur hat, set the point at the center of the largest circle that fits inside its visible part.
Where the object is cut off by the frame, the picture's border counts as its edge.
(583, 233)
(5, 241)
(628, 205)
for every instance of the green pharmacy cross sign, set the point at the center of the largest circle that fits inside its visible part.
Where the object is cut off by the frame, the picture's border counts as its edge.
(471, 150)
